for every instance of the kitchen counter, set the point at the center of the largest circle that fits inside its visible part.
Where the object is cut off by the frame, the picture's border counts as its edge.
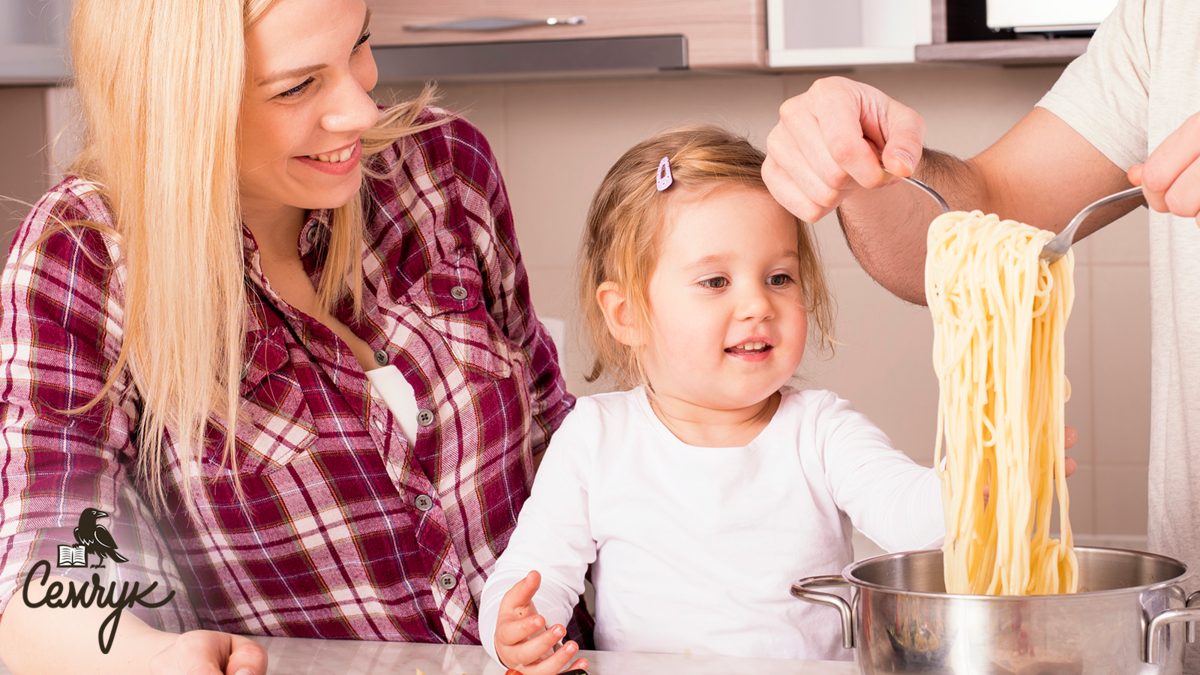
(295, 656)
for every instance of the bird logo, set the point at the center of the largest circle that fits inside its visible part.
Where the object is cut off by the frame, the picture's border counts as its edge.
(96, 538)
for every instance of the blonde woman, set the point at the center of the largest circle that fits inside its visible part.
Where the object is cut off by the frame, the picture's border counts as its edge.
(270, 345)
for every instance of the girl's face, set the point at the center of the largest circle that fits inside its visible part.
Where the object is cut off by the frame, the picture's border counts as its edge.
(308, 70)
(727, 318)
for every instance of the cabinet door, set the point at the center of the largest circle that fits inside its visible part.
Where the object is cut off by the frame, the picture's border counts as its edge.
(720, 33)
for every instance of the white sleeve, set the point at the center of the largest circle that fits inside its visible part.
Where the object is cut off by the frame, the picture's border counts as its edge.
(1105, 94)
(553, 533)
(891, 499)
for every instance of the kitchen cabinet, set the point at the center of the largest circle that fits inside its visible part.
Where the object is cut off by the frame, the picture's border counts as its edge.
(822, 34)
(719, 34)
(960, 34)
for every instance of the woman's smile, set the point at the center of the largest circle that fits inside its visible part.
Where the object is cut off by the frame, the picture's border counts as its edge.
(336, 162)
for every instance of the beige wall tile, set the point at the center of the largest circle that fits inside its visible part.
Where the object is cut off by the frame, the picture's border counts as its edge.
(1121, 499)
(884, 365)
(23, 174)
(564, 136)
(1125, 241)
(1121, 363)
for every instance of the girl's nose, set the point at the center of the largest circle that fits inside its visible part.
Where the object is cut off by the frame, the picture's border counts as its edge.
(350, 108)
(755, 303)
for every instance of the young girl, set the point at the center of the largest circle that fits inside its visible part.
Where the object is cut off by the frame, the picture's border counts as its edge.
(700, 495)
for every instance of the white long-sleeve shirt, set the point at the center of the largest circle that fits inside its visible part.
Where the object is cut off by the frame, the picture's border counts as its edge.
(695, 549)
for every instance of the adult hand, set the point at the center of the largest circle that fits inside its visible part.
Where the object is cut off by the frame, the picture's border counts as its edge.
(829, 142)
(522, 639)
(1170, 178)
(206, 652)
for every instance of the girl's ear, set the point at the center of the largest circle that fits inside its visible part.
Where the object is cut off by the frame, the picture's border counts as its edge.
(618, 313)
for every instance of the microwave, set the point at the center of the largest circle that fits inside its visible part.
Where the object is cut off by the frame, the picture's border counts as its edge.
(1047, 16)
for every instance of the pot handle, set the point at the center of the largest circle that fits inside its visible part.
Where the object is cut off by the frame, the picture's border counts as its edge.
(801, 589)
(1189, 614)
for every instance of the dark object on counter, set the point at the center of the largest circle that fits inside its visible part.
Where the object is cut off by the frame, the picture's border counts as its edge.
(1125, 618)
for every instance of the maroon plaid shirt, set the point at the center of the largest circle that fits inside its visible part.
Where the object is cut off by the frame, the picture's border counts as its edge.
(331, 540)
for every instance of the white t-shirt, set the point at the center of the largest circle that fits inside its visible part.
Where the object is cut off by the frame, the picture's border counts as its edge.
(695, 549)
(1137, 83)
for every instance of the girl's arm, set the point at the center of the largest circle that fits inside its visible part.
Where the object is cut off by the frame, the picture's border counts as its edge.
(553, 535)
(891, 499)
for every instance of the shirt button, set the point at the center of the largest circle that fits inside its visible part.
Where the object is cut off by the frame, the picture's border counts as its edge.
(425, 418)
(447, 582)
(381, 357)
(458, 293)
(311, 236)
(423, 502)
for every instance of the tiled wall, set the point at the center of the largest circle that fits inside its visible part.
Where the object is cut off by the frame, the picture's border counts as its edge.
(555, 141)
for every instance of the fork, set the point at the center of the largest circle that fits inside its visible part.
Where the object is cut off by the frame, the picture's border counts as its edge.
(1058, 246)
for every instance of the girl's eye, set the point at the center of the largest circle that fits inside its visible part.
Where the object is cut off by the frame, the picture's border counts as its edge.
(296, 90)
(715, 283)
(362, 40)
(779, 280)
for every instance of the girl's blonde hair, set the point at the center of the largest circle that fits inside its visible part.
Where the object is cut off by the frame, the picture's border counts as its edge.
(160, 86)
(625, 223)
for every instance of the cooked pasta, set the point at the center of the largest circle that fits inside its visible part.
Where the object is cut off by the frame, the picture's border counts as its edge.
(999, 315)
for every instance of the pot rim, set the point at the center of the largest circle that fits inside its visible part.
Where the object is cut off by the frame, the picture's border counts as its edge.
(848, 572)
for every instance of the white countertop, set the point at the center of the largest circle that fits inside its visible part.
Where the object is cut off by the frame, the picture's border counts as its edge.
(293, 656)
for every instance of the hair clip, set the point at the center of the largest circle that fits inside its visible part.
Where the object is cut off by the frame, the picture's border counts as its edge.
(663, 177)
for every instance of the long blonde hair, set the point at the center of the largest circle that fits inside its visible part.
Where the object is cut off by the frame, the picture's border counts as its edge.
(160, 89)
(625, 223)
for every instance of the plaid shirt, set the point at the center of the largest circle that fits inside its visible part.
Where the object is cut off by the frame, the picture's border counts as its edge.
(335, 537)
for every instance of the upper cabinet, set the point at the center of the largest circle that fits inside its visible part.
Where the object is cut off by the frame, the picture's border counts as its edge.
(31, 41)
(827, 33)
(724, 34)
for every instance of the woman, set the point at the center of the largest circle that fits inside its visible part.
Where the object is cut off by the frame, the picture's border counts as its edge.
(269, 252)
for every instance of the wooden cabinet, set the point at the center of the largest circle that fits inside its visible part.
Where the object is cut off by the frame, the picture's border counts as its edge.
(720, 33)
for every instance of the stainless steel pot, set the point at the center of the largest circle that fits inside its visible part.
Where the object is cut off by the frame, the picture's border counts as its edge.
(1125, 619)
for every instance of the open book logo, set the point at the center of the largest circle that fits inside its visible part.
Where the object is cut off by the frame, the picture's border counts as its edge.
(93, 540)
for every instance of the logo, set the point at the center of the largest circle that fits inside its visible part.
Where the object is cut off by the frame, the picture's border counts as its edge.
(92, 539)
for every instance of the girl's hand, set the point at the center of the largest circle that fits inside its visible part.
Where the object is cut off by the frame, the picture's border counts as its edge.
(523, 642)
(206, 652)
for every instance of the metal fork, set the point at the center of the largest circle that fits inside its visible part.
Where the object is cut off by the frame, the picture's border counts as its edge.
(932, 193)
(1060, 244)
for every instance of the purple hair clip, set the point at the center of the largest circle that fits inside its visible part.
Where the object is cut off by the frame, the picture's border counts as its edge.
(663, 177)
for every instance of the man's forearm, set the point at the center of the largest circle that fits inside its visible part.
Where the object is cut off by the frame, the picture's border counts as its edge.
(886, 228)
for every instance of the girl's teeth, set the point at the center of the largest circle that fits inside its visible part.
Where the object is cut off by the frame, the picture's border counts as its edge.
(750, 347)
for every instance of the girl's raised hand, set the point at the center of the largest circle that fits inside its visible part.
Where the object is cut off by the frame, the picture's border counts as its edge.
(523, 641)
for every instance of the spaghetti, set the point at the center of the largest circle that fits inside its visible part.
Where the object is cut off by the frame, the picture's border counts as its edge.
(999, 316)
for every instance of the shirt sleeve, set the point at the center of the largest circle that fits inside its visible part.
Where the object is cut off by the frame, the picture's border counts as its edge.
(553, 533)
(60, 334)
(505, 279)
(1104, 94)
(891, 499)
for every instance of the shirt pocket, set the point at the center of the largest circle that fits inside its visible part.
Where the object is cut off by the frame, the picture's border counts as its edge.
(450, 300)
(276, 425)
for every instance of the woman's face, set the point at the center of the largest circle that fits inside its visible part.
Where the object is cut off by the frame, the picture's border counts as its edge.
(308, 70)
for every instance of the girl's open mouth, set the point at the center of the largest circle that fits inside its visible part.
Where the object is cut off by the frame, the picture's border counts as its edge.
(750, 348)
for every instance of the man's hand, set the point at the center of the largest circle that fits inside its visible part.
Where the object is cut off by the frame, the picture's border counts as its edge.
(206, 652)
(1170, 178)
(829, 142)
(522, 640)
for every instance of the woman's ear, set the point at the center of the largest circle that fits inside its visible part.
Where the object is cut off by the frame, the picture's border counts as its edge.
(618, 313)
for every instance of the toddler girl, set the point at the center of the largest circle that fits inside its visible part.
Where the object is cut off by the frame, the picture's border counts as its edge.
(700, 494)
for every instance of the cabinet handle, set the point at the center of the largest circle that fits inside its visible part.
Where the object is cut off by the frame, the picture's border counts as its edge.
(487, 24)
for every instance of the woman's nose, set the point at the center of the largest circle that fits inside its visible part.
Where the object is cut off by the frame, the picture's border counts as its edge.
(350, 108)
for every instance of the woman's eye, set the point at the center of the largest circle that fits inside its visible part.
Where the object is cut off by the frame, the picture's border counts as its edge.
(296, 90)
(779, 279)
(715, 283)
(362, 40)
